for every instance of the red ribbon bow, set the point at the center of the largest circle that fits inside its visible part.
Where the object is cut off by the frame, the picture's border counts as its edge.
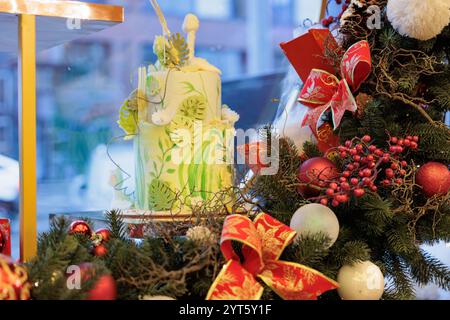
(323, 90)
(263, 242)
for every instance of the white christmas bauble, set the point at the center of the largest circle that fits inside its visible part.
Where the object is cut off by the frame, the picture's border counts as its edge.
(314, 218)
(360, 281)
(419, 19)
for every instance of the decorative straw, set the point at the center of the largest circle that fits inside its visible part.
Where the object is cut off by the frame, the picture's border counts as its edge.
(162, 19)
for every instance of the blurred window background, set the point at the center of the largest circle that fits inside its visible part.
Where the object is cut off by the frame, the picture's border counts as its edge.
(82, 84)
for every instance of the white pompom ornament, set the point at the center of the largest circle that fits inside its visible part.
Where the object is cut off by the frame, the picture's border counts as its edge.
(316, 218)
(419, 19)
(360, 281)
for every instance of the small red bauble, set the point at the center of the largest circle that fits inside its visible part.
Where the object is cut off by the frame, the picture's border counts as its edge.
(14, 283)
(105, 287)
(434, 178)
(105, 233)
(80, 227)
(100, 250)
(2, 240)
(316, 172)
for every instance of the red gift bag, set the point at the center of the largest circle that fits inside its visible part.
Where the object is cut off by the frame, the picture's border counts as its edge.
(307, 52)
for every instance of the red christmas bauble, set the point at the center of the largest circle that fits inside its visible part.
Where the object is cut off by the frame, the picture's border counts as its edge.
(105, 233)
(105, 287)
(81, 227)
(14, 283)
(434, 178)
(100, 250)
(316, 172)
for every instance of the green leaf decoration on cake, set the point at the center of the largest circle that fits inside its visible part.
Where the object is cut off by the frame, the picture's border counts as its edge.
(194, 107)
(172, 52)
(160, 196)
(128, 119)
(180, 49)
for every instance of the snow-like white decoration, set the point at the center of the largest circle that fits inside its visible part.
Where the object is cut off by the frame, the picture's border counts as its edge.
(229, 115)
(419, 19)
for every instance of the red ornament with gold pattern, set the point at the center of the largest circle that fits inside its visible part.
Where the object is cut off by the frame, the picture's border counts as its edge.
(314, 174)
(14, 283)
(80, 227)
(263, 240)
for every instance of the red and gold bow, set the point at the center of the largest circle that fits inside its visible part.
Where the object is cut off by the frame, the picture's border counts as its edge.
(263, 241)
(322, 90)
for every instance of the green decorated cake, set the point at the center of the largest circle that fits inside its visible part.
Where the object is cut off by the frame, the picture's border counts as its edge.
(183, 135)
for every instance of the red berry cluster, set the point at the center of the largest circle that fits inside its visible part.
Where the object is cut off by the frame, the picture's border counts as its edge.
(326, 22)
(367, 167)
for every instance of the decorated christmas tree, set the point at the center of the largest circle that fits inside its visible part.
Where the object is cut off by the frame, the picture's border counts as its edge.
(344, 217)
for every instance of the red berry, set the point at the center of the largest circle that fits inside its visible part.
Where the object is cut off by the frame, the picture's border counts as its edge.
(359, 147)
(335, 203)
(341, 198)
(330, 192)
(348, 143)
(345, 186)
(394, 166)
(367, 181)
(325, 22)
(353, 151)
(414, 145)
(343, 154)
(333, 185)
(370, 157)
(367, 172)
(379, 152)
(361, 173)
(401, 142)
(346, 174)
(409, 138)
(403, 172)
(394, 140)
(415, 139)
(357, 158)
(359, 192)
(389, 173)
(399, 149)
(403, 163)
(350, 167)
(372, 148)
(398, 181)
(407, 142)
(354, 181)
(342, 179)
(386, 182)
(371, 165)
(356, 165)
(392, 149)
(374, 188)
(324, 202)
(366, 138)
